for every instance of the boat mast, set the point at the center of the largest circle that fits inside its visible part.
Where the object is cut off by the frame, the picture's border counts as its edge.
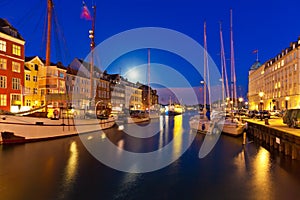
(233, 76)
(92, 44)
(205, 66)
(206, 73)
(148, 80)
(48, 45)
(223, 66)
(49, 23)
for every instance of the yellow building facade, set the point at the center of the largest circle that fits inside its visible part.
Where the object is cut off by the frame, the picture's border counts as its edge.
(33, 97)
(275, 85)
(43, 84)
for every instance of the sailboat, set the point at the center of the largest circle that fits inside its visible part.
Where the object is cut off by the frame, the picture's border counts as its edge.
(19, 129)
(229, 126)
(153, 110)
(202, 122)
(139, 116)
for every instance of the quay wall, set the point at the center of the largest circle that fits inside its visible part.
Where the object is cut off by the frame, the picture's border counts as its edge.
(275, 139)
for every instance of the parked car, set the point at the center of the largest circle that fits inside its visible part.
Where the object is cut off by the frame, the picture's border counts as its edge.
(295, 118)
(265, 114)
(252, 113)
(262, 114)
(291, 117)
(275, 113)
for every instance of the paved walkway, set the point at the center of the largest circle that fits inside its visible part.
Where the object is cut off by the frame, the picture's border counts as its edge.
(276, 123)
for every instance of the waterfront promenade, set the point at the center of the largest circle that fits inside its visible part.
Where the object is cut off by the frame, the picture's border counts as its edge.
(277, 124)
(275, 135)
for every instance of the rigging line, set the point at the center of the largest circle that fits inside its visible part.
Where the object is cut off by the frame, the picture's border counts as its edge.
(223, 64)
(35, 30)
(56, 37)
(29, 14)
(44, 36)
(60, 35)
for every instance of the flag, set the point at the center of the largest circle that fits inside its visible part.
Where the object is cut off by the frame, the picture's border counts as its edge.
(255, 51)
(85, 13)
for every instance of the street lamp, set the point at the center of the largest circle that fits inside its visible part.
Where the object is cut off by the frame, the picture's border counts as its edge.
(287, 98)
(261, 94)
(240, 101)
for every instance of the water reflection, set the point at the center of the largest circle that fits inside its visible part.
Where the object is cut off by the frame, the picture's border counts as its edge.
(70, 172)
(261, 176)
(177, 136)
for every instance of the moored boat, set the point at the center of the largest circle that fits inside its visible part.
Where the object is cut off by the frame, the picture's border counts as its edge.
(18, 129)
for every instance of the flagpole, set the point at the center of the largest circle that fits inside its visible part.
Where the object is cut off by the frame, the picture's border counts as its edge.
(257, 56)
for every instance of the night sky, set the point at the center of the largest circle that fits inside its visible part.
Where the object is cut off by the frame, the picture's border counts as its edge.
(268, 26)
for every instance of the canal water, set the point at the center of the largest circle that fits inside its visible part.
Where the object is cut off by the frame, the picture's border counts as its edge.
(65, 169)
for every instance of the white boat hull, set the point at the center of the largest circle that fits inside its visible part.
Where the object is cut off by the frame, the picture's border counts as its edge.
(227, 126)
(16, 129)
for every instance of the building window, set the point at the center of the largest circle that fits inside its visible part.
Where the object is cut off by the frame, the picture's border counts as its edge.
(28, 102)
(27, 90)
(27, 77)
(35, 90)
(2, 45)
(3, 82)
(16, 67)
(16, 50)
(61, 75)
(3, 99)
(16, 99)
(16, 82)
(3, 63)
(36, 67)
(34, 78)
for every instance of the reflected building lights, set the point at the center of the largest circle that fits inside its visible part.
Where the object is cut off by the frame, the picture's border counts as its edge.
(71, 168)
(261, 179)
(178, 130)
(161, 132)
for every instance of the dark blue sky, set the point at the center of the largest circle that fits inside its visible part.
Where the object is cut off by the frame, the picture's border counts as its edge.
(268, 26)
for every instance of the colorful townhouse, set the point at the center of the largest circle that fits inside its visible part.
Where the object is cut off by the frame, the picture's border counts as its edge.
(11, 67)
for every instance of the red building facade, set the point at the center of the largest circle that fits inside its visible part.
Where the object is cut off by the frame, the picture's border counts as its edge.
(11, 67)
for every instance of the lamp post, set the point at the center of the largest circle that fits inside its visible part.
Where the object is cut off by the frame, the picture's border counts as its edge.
(261, 94)
(246, 105)
(240, 102)
(287, 98)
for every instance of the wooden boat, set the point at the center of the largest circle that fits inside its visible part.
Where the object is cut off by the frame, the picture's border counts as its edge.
(19, 129)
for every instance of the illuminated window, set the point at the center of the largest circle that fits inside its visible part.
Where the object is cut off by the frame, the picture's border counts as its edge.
(28, 102)
(27, 90)
(16, 82)
(16, 67)
(35, 90)
(27, 77)
(16, 97)
(3, 63)
(282, 63)
(3, 82)
(16, 50)
(2, 45)
(3, 99)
